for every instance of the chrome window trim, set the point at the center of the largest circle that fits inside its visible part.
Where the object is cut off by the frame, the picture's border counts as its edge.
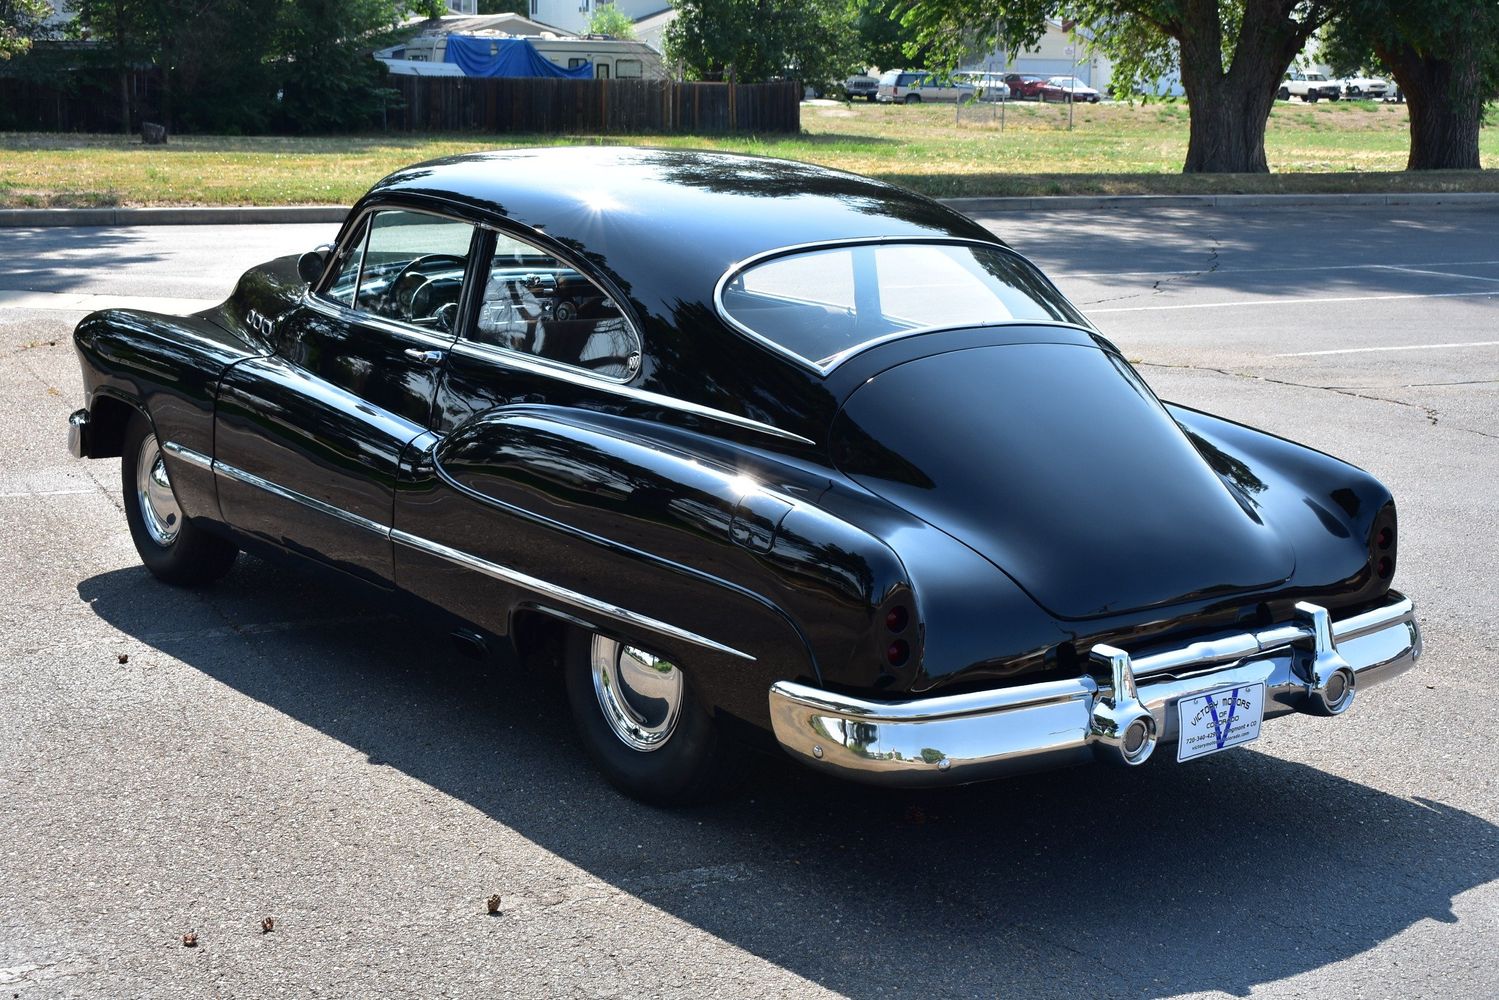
(313, 295)
(625, 313)
(575, 376)
(458, 557)
(825, 366)
(335, 310)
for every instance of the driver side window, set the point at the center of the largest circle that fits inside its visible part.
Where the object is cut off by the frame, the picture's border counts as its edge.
(409, 267)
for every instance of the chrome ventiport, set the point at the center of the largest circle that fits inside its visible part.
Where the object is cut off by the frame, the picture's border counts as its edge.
(1120, 720)
(1330, 680)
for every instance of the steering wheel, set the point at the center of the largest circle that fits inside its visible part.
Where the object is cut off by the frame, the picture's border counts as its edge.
(393, 290)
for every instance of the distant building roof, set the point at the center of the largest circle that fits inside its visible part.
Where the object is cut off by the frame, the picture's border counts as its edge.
(468, 24)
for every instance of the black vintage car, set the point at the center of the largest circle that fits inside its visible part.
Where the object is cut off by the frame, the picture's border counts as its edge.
(754, 448)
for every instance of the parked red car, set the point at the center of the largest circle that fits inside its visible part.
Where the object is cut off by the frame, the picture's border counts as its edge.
(1024, 86)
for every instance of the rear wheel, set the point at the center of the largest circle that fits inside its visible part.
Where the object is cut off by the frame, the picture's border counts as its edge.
(172, 547)
(639, 720)
(1283, 95)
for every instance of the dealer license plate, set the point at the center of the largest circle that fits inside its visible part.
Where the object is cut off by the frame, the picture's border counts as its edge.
(1218, 720)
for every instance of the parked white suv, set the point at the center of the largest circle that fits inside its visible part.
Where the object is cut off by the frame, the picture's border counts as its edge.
(1310, 87)
(902, 86)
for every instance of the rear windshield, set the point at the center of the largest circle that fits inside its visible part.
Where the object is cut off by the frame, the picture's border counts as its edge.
(823, 305)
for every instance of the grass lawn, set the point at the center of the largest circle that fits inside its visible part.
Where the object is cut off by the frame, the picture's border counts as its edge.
(1112, 149)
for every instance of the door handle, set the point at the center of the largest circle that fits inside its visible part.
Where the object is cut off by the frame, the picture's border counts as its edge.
(424, 357)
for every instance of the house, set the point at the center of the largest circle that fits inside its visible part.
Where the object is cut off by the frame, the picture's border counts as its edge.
(1062, 51)
(572, 16)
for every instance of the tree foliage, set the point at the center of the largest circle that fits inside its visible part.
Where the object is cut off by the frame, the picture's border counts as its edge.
(1444, 54)
(881, 39)
(751, 41)
(20, 21)
(253, 65)
(1231, 54)
(610, 20)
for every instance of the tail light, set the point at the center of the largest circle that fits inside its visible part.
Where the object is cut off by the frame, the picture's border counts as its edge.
(1383, 539)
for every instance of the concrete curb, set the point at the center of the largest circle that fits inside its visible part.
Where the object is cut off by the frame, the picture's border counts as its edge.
(1226, 202)
(334, 214)
(173, 216)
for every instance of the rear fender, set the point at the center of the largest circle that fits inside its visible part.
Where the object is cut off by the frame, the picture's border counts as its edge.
(675, 536)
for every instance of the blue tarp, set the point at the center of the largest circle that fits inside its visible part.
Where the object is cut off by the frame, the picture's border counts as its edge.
(477, 55)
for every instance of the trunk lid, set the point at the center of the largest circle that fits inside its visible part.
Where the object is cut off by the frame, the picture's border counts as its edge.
(1057, 464)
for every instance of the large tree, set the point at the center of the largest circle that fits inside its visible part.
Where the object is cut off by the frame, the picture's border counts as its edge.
(751, 41)
(1444, 54)
(20, 22)
(880, 37)
(1232, 54)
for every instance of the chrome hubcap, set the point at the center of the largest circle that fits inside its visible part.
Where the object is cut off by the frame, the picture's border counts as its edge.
(640, 693)
(159, 511)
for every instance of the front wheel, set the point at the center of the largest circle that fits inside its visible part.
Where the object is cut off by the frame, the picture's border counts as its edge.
(640, 722)
(172, 547)
(913, 98)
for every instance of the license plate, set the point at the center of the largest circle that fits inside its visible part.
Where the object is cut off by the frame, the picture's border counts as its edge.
(1217, 720)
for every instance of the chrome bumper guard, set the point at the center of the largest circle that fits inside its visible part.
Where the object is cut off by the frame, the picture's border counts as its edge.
(1313, 664)
(78, 436)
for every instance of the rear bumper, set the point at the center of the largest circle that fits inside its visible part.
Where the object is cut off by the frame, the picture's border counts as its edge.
(1312, 664)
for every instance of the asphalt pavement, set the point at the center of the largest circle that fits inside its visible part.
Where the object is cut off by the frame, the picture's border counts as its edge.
(177, 761)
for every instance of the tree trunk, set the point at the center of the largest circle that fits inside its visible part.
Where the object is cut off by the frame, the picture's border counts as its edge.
(1231, 107)
(1444, 97)
(1228, 126)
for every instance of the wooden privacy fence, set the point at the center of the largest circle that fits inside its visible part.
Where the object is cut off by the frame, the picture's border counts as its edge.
(527, 104)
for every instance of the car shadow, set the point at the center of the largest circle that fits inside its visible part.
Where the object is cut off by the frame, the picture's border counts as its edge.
(1240, 870)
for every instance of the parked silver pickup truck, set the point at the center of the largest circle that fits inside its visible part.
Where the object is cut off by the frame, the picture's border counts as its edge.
(1310, 87)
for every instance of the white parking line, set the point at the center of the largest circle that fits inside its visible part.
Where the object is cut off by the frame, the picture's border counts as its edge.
(1295, 301)
(30, 494)
(1405, 347)
(1439, 274)
(1266, 270)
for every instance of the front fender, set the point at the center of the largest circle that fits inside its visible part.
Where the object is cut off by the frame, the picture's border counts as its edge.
(168, 368)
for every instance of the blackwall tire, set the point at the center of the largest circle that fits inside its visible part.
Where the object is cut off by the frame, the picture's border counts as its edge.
(639, 720)
(173, 547)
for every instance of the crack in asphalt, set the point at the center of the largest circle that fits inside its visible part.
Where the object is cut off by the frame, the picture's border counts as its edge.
(1160, 284)
(1432, 414)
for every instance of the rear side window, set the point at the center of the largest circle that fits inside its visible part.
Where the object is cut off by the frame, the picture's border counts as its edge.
(822, 305)
(538, 305)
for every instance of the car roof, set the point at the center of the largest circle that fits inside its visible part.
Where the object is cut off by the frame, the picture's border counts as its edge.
(665, 224)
